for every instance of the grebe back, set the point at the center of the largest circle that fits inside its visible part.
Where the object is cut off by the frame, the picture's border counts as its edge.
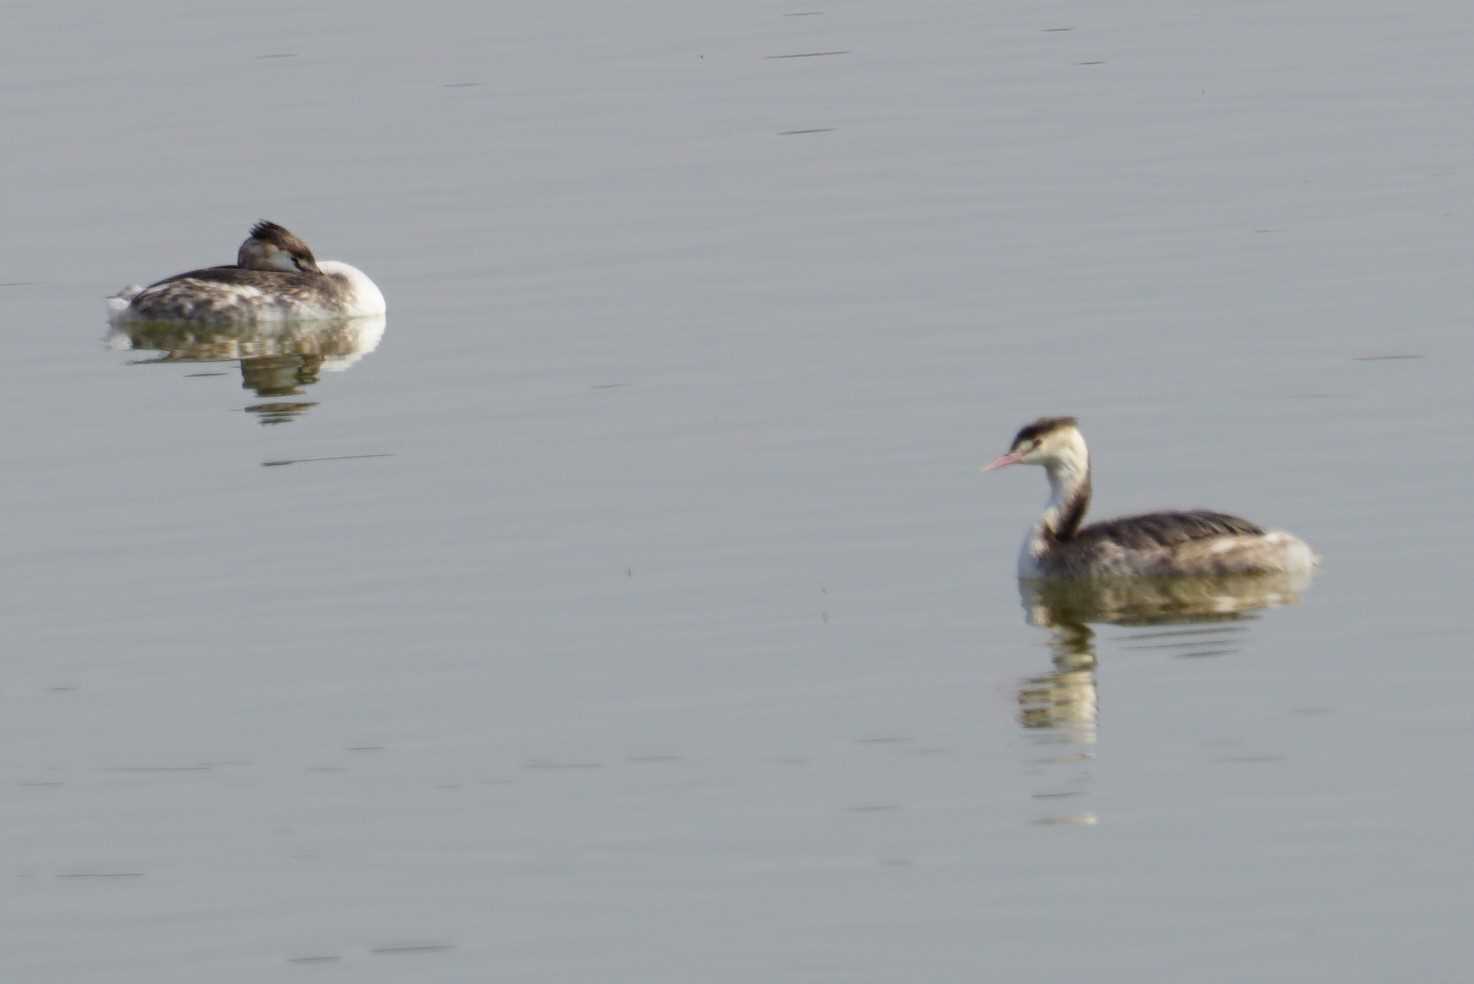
(275, 278)
(1195, 542)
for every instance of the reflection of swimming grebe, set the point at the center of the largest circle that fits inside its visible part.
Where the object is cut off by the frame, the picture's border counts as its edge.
(275, 278)
(1197, 542)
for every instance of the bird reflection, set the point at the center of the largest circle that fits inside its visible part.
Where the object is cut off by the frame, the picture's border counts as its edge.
(1208, 616)
(277, 361)
(1157, 601)
(1188, 617)
(277, 376)
(1064, 700)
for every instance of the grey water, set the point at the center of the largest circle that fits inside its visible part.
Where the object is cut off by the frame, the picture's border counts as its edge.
(629, 605)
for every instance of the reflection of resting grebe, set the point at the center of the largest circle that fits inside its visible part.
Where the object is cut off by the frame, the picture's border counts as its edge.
(275, 278)
(1164, 543)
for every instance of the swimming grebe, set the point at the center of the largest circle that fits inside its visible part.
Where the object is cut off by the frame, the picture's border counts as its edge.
(275, 278)
(1196, 542)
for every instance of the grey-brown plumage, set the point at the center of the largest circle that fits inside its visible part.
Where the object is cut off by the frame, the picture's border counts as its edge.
(238, 277)
(215, 295)
(1166, 529)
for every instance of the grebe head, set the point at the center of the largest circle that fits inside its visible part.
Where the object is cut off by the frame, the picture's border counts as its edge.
(1053, 442)
(271, 247)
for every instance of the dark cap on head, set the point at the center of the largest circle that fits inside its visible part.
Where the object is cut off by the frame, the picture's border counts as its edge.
(1039, 428)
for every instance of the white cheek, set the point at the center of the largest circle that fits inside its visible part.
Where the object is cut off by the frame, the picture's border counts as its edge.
(280, 259)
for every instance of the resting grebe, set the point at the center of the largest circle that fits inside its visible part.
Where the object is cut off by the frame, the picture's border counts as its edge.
(275, 278)
(1196, 542)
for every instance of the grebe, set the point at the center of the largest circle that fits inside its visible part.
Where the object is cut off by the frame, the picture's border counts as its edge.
(1194, 543)
(275, 278)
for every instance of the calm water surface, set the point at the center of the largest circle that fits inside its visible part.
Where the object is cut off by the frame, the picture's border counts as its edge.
(628, 606)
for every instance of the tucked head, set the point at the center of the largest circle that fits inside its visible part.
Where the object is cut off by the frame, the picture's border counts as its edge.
(1046, 441)
(271, 247)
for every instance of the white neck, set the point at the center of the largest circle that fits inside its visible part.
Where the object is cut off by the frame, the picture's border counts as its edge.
(1068, 471)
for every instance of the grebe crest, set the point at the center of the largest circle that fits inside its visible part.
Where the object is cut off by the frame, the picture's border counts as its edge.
(275, 279)
(1196, 542)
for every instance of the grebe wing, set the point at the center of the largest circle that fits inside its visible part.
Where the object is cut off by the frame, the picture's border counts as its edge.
(241, 277)
(1167, 529)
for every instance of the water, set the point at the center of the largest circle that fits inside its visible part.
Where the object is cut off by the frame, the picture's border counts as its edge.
(634, 610)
